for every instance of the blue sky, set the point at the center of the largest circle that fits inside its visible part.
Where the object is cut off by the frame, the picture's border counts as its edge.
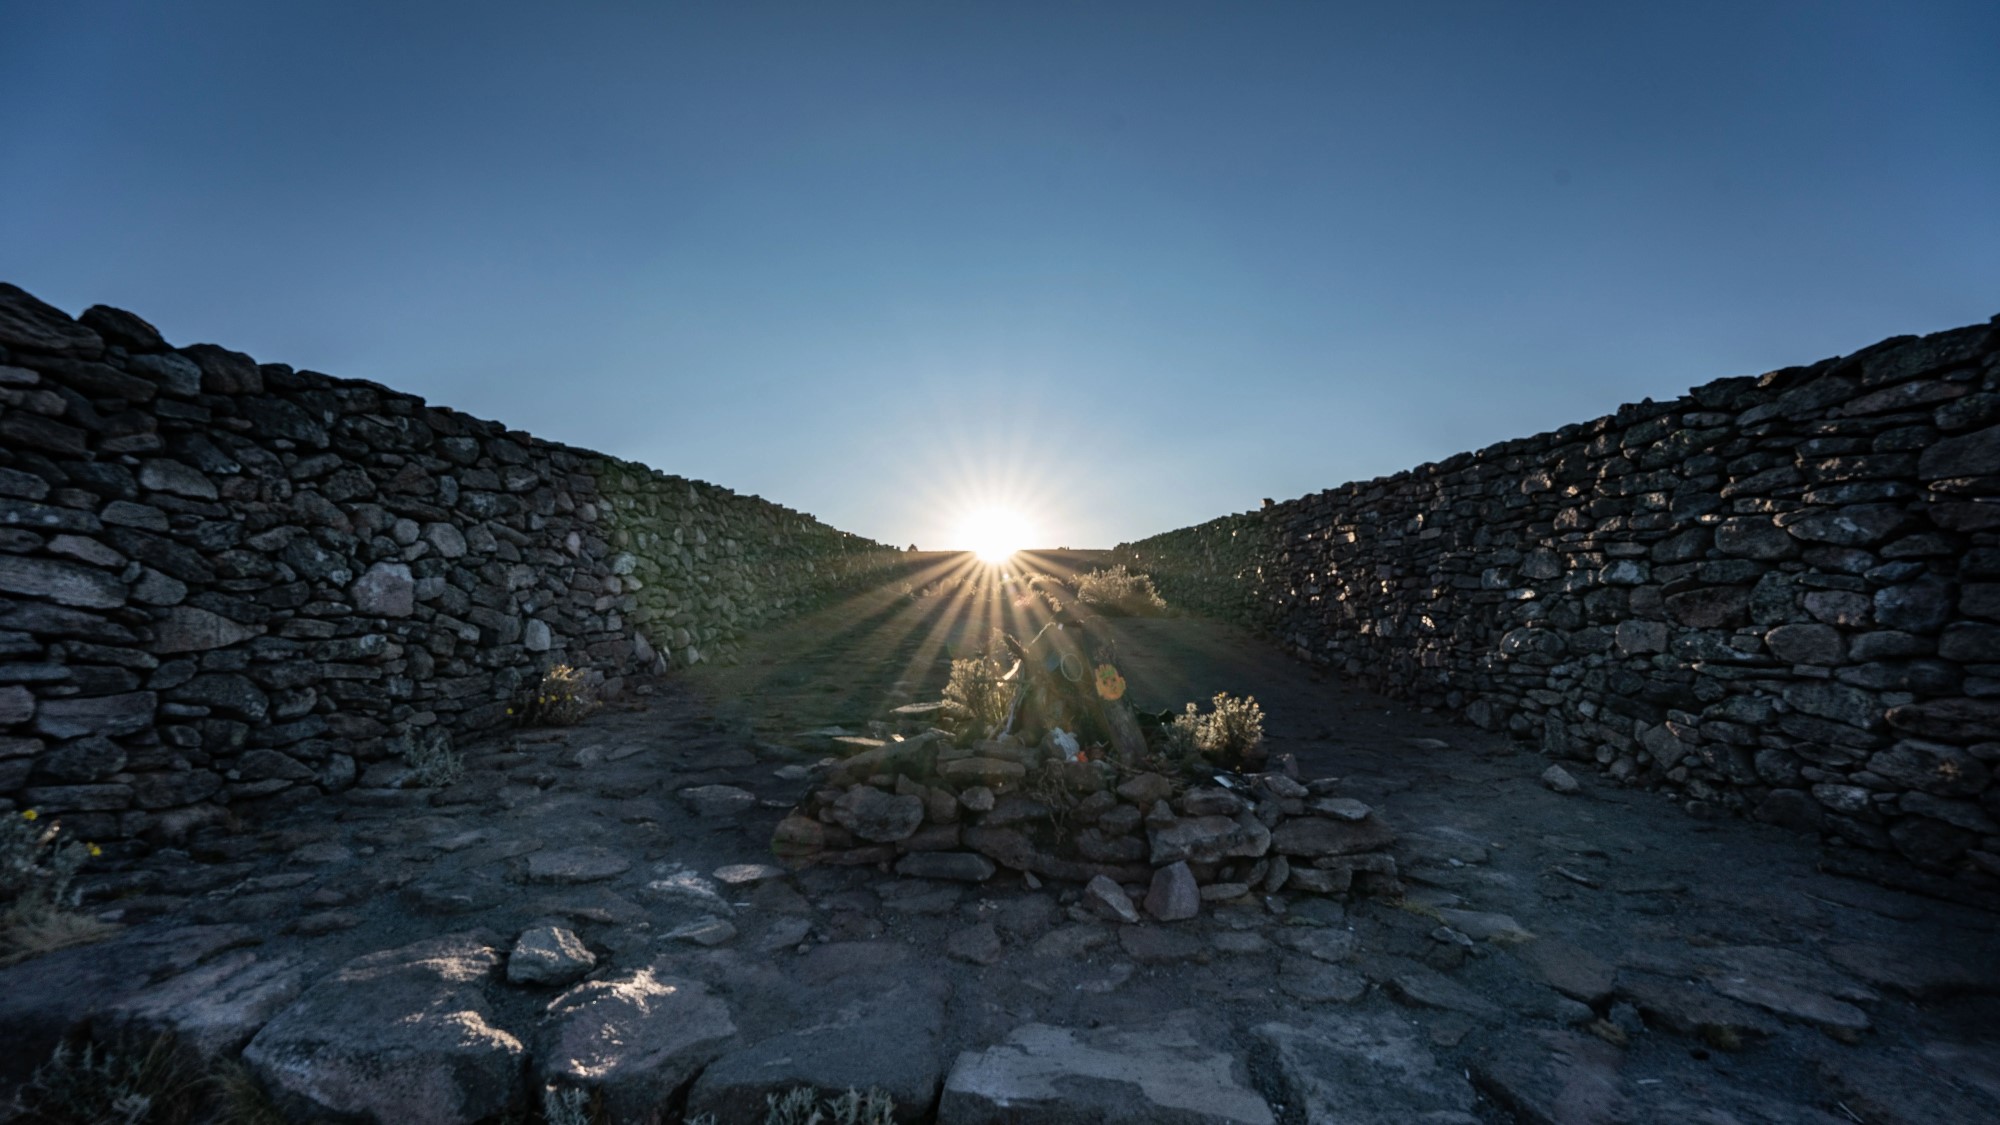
(1124, 267)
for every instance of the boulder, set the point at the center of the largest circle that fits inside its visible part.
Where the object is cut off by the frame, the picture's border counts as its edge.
(400, 1037)
(1166, 1072)
(549, 955)
(876, 816)
(1315, 836)
(1174, 895)
(1370, 1069)
(633, 1038)
(841, 1047)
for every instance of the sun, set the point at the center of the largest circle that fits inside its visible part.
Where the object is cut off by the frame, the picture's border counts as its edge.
(994, 534)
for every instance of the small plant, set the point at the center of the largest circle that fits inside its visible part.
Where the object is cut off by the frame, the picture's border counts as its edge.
(563, 698)
(568, 1107)
(37, 870)
(153, 1084)
(977, 692)
(432, 758)
(1232, 734)
(802, 1106)
(1120, 592)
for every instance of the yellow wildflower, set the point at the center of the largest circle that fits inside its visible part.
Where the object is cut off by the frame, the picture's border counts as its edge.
(31, 815)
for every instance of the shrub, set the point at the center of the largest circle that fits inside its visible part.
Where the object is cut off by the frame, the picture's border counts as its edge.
(430, 755)
(1119, 592)
(1230, 735)
(977, 693)
(563, 698)
(153, 1084)
(802, 1106)
(37, 868)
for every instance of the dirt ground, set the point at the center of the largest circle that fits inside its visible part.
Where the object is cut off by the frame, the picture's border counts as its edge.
(1593, 957)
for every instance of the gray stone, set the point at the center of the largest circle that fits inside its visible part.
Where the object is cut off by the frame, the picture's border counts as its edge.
(537, 637)
(576, 865)
(189, 629)
(966, 867)
(1318, 836)
(385, 589)
(1317, 983)
(212, 1009)
(1174, 895)
(1111, 899)
(1966, 455)
(1152, 945)
(1339, 808)
(1560, 780)
(17, 705)
(1574, 972)
(107, 715)
(549, 955)
(1365, 1070)
(1756, 537)
(747, 874)
(64, 583)
(690, 889)
(1163, 1073)
(1689, 1010)
(1806, 644)
(164, 475)
(1323, 943)
(404, 1035)
(633, 1038)
(1427, 989)
(718, 800)
(1555, 1077)
(876, 816)
(1483, 925)
(446, 539)
(704, 931)
(978, 944)
(1207, 839)
(1933, 767)
(845, 1045)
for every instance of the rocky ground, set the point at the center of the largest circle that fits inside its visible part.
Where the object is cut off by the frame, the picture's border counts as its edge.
(598, 906)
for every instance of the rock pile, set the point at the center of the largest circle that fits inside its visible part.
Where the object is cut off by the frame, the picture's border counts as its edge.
(1169, 839)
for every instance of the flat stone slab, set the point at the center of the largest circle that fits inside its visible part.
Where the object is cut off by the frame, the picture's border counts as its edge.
(888, 1039)
(212, 1009)
(403, 1035)
(635, 1038)
(1316, 983)
(717, 800)
(1576, 973)
(1481, 925)
(1555, 1076)
(1427, 989)
(577, 865)
(1326, 943)
(747, 874)
(1365, 1070)
(1164, 1073)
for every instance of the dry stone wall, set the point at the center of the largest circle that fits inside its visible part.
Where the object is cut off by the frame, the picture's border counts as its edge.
(1778, 596)
(227, 585)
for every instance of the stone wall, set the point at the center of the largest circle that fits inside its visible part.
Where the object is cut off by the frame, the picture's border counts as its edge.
(232, 584)
(1776, 595)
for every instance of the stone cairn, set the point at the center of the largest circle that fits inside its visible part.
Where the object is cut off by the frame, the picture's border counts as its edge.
(927, 806)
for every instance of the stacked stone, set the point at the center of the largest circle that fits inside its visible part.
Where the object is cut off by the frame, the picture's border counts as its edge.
(225, 583)
(939, 811)
(1775, 595)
